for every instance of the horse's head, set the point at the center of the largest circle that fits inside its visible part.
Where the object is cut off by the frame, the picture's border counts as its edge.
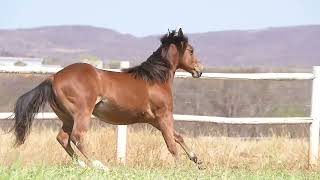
(180, 53)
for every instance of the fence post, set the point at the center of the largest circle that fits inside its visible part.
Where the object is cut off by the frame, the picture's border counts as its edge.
(122, 131)
(315, 115)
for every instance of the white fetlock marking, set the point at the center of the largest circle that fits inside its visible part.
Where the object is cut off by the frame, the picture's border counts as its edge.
(97, 164)
(81, 163)
(99, 98)
(77, 143)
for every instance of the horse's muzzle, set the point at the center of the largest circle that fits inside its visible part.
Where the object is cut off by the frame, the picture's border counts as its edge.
(197, 72)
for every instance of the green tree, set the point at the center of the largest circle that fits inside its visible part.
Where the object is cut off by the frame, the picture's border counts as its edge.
(114, 64)
(51, 61)
(93, 60)
(20, 63)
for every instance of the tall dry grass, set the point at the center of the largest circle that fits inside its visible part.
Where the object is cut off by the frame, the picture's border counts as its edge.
(146, 148)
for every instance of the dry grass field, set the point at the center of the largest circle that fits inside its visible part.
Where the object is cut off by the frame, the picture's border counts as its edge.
(148, 157)
(146, 148)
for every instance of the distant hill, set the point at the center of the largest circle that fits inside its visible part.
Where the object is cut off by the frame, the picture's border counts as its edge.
(294, 46)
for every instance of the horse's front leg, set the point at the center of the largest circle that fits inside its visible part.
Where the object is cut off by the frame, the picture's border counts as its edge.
(165, 125)
(179, 139)
(192, 156)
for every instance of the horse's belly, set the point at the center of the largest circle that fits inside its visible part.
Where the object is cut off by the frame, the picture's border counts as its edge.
(114, 114)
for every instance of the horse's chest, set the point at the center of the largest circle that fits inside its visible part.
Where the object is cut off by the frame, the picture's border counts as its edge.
(122, 113)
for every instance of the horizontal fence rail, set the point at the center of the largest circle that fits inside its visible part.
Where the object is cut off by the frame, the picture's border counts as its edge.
(243, 120)
(249, 76)
(193, 118)
(122, 129)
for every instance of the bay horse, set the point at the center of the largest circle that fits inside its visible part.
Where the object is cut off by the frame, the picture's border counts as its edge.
(141, 94)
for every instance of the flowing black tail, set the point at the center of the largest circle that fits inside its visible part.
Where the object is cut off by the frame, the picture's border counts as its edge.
(27, 106)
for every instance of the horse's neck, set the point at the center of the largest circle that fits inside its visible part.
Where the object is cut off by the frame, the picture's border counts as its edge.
(172, 74)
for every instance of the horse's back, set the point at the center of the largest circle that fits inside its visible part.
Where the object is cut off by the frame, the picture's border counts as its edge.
(84, 78)
(77, 71)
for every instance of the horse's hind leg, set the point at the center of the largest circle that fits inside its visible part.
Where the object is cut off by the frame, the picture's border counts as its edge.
(80, 127)
(63, 136)
(63, 139)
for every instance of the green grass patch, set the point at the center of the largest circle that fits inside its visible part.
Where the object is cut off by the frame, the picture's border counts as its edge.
(121, 172)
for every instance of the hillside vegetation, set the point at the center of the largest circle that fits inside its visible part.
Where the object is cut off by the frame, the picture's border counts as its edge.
(294, 46)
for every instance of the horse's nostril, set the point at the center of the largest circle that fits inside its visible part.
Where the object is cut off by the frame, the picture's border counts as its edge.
(200, 73)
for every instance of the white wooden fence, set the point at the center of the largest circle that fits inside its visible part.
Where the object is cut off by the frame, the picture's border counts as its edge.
(313, 120)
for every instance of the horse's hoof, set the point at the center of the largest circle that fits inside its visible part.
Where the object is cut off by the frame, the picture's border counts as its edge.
(81, 163)
(98, 165)
(200, 165)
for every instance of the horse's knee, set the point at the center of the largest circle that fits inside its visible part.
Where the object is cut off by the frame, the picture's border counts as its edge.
(173, 150)
(178, 138)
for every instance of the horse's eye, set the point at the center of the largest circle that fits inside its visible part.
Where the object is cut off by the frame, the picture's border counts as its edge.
(190, 51)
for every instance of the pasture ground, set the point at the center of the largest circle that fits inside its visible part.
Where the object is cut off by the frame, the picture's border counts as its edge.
(41, 157)
(120, 172)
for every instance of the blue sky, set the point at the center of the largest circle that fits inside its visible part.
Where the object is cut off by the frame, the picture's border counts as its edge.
(146, 17)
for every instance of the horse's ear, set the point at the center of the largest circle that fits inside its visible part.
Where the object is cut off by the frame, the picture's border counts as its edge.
(180, 33)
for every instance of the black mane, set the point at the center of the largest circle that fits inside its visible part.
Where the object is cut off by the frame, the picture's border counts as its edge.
(157, 67)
